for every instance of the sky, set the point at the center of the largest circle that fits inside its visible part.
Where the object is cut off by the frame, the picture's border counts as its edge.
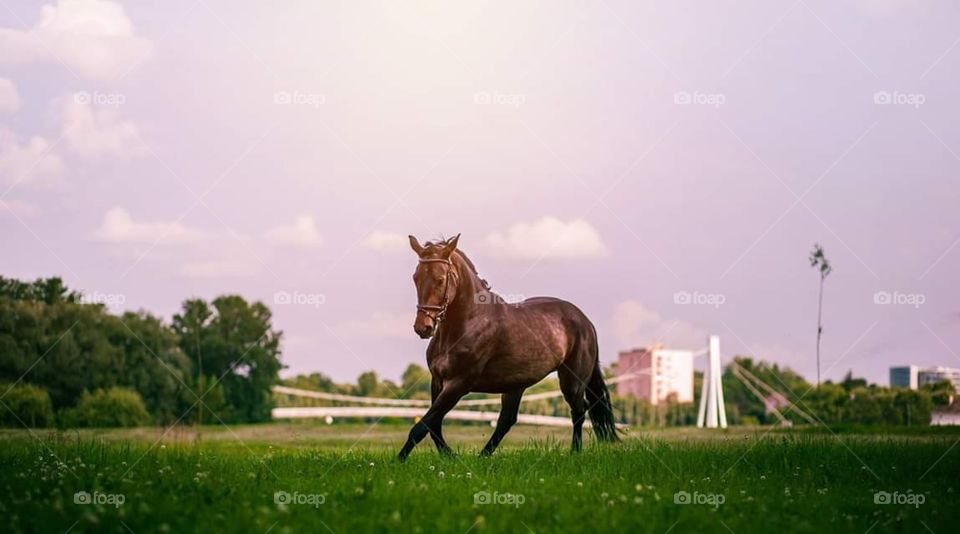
(666, 166)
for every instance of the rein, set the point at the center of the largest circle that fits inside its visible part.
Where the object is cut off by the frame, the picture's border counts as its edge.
(438, 311)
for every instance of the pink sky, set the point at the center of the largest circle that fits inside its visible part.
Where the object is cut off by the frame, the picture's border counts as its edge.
(620, 156)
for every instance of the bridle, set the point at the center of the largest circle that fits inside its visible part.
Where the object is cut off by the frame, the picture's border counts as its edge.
(438, 311)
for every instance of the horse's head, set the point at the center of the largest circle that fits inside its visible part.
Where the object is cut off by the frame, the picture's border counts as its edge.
(436, 280)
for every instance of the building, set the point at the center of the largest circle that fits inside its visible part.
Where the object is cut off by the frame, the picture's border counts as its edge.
(655, 373)
(914, 376)
(946, 416)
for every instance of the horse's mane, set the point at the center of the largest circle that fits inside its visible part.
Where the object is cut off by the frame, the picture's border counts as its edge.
(466, 259)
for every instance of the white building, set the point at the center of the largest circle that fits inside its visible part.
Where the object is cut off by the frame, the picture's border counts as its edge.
(914, 376)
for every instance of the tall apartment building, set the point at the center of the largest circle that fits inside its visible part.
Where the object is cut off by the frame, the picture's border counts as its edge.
(656, 373)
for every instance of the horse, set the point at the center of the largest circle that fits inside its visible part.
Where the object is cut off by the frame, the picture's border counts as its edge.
(481, 344)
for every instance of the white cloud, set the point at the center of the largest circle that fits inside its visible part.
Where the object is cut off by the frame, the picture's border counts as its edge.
(31, 161)
(93, 38)
(9, 97)
(380, 325)
(119, 227)
(219, 269)
(386, 241)
(92, 131)
(635, 325)
(303, 233)
(548, 237)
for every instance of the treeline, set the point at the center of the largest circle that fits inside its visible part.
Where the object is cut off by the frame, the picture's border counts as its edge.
(851, 401)
(68, 362)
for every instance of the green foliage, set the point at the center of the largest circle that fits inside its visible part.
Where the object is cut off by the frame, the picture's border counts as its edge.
(367, 384)
(107, 408)
(69, 347)
(44, 290)
(852, 401)
(819, 260)
(25, 404)
(52, 338)
(415, 382)
(941, 393)
(214, 407)
(233, 340)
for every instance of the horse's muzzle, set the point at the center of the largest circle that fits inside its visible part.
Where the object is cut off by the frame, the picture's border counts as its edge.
(425, 331)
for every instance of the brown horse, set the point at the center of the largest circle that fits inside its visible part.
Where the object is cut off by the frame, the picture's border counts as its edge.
(483, 344)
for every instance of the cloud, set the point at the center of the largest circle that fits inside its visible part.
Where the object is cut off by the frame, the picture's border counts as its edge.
(119, 227)
(91, 131)
(303, 233)
(29, 162)
(93, 38)
(386, 241)
(9, 97)
(635, 325)
(548, 237)
(380, 325)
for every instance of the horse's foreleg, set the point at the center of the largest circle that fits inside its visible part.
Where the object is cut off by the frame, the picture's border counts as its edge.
(445, 402)
(509, 406)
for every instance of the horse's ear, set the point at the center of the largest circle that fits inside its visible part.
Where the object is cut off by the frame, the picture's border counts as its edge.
(415, 245)
(450, 246)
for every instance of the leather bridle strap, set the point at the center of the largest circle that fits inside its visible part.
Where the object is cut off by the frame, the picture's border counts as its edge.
(438, 311)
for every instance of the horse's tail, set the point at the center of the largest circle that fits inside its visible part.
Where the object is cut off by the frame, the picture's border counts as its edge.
(598, 403)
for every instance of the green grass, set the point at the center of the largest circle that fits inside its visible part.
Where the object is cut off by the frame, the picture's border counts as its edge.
(222, 479)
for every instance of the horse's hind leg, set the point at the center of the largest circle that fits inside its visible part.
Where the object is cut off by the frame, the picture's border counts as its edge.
(573, 389)
(509, 406)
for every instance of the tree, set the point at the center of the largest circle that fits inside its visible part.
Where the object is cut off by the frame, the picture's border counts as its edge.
(415, 381)
(232, 341)
(819, 261)
(849, 382)
(367, 383)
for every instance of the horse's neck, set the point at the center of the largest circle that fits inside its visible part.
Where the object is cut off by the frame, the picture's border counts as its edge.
(465, 303)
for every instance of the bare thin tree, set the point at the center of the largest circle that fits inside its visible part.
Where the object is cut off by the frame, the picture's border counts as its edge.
(819, 261)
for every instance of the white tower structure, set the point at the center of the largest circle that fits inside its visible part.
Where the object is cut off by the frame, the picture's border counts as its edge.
(712, 412)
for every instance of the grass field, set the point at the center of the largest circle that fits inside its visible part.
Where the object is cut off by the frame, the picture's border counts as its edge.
(344, 478)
